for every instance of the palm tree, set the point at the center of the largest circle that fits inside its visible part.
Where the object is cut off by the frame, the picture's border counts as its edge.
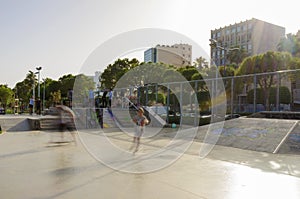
(30, 81)
(201, 63)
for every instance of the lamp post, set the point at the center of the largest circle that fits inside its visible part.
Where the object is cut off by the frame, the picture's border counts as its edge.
(39, 88)
(44, 94)
(214, 44)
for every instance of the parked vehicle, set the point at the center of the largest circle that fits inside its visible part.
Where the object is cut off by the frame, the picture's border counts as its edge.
(2, 111)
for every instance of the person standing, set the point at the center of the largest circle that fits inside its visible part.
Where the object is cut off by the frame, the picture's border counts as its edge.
(38, 106)
(104, 100)
(31, 104)
(140, 120)
(110, 96)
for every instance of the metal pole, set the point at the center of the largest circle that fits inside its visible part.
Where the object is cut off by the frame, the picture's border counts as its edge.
(225, 52)
(277, 92)
(44, 95)
(33, 94)
(254, 94)
(39, 88)
(168, 102)
(156, 93)
(180, 103)
(231, 103)
(196, 103)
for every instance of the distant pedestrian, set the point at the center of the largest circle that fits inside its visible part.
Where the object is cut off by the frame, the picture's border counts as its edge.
(140, 120)
(104, 100)
(99, 112)
(38, 106)
(31, 104)
(110, 96)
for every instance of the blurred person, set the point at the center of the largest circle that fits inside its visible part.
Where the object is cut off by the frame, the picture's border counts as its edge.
(140, 120)
(67, 120)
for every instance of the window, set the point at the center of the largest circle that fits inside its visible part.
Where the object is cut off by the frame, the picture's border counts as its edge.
(249, 26)
(218, 34)
(249, 37)
(227, 32)
(238, 29)
(249, 46)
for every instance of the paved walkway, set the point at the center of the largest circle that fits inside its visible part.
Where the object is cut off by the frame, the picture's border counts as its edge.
(35, 165)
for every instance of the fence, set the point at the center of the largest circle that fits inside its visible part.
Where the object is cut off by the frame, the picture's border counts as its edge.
(272, 91)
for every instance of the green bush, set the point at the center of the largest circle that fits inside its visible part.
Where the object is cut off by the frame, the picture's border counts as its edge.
(284, 96)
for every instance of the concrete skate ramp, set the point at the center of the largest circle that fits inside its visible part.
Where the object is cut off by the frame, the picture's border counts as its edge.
(266, 135)
(12, 123)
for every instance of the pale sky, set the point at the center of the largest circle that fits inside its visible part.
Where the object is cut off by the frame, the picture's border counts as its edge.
(59, 35)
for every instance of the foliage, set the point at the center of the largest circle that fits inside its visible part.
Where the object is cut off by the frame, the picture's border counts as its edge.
(263, 63)
(152, 98)
(204, 100)
(6, 96)
(56, 97)
(115, 71)
(24, 89)
(235, 57)
(66, 83)
(226, 71)
(294, 64)
(201, 63)
(291, 44)
(284, 96)
(83, 84)
(188, 72)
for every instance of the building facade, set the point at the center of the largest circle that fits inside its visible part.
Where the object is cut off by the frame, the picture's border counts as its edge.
(254, 36)
(178, 55)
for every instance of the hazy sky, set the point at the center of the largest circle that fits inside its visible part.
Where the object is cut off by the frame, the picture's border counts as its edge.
(59, 35)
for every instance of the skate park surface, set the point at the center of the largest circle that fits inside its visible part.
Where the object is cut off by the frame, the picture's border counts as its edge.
(251, 159)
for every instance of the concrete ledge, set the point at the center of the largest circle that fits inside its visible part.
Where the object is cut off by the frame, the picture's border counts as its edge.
(14, 123)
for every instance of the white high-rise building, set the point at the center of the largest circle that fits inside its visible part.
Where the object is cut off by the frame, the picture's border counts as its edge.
(178, 55)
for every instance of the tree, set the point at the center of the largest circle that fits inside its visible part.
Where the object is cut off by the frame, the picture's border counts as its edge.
(188, 72)
(83, 84)
(290, 44)
(235, 57)
(261, 65)
(56, 97)
(24, 90)
(115, 71)
(284, 96)
(6, 96)
(201, 63)
(66, 83)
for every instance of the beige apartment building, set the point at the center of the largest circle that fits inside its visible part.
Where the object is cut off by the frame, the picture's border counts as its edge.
(178, 55)
(254, 36)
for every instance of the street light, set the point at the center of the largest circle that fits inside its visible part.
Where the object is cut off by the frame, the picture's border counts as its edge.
(44, 94)
(39, 88)
(214, 44)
